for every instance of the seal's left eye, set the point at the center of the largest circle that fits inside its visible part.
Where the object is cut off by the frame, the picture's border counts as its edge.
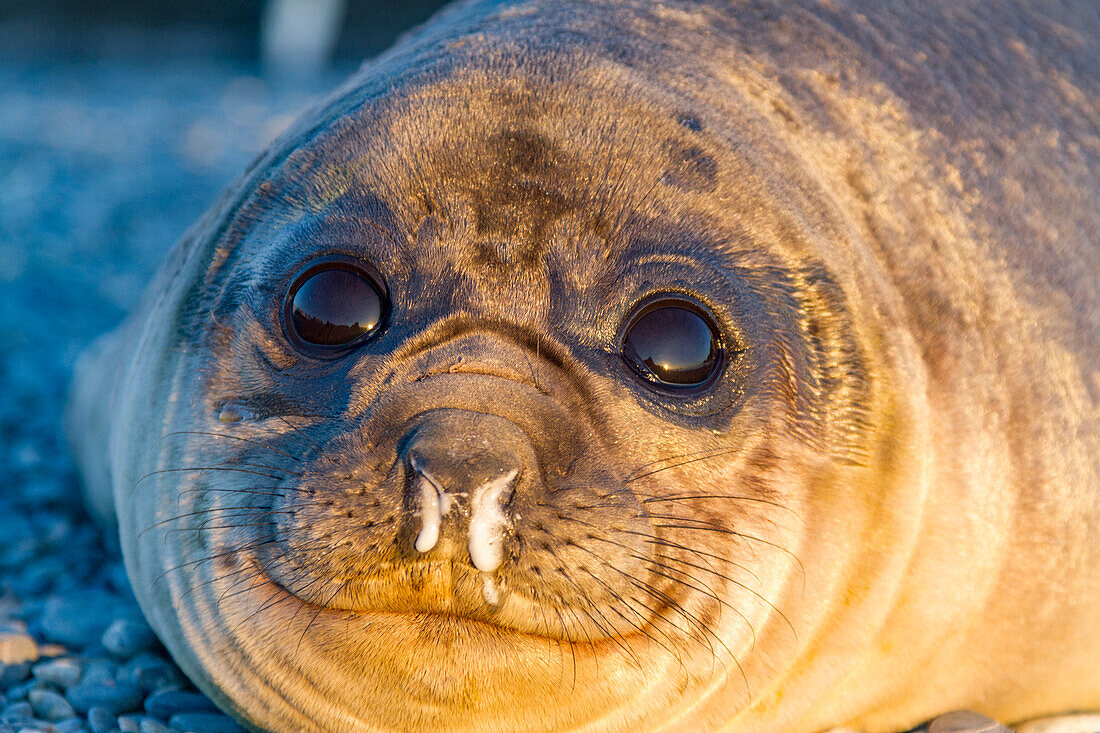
(673, 343)
(334, 304)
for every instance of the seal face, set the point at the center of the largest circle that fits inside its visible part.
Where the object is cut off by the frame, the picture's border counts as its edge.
(555, 375)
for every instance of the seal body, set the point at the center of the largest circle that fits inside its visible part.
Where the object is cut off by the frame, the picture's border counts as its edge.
(482, 507)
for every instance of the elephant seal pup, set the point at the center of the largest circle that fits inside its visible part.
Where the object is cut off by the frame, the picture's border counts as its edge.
(629, 366)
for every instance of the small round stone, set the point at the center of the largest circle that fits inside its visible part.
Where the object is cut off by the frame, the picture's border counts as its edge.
(17, 712)
(20, 691)
(63, 673)
(117, 698)
(130, 723)
(49, 705)
(13, 674)
(99, 671)
(965, 721)
(204, 723)
(126, 637)
(151, 673)
(101, 720)
(70, 725)
(17, 648)
(78, 619)
(148, 725)
(166, 704)
(17, 652)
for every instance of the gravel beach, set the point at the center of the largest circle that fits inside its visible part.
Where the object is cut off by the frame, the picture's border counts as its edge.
(103, 164)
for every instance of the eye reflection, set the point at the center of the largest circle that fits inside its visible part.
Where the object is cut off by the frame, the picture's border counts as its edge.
(672, 343)
(333, 305)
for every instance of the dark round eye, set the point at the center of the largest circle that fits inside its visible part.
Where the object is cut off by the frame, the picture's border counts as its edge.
(673, 343)
(333, 304)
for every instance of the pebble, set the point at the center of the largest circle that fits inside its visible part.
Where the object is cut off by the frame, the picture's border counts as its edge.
(99, 672)
(965, 721)
(126, 637)
(79, 619)
(148, 725)
(12, 674)
(204, 723)
(63, 673)
(49, 705)
(166, 704)
(141, 724)
(17, 647)
(19, 692)
(129, 723)
(151, 673)
(17, 652)
(19, 544)
(117, 698)
(17, 712)
(101, 720)
(69, 725)
(36, 579)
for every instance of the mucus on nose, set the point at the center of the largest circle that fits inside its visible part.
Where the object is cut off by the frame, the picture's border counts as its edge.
(488, 522)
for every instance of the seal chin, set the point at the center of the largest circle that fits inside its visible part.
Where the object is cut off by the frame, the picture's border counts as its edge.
(439, 670)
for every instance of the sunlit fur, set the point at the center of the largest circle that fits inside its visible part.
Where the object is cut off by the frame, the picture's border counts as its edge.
(885, 508)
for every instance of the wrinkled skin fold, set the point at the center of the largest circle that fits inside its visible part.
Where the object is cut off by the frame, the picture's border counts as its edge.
(881, 508)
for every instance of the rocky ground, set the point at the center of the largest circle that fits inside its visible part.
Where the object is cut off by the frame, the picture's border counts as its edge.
(103, 164)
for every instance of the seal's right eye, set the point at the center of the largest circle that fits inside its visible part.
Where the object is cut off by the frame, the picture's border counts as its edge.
(334, 304)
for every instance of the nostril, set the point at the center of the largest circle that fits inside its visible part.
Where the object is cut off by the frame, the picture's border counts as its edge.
(430, 516)
(434, 503)
(469, 460)
(488, 522)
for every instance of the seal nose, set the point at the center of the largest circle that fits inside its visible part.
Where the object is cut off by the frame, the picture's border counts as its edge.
(469, 461)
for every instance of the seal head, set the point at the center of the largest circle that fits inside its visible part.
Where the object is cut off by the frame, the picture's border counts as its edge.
(559, 374)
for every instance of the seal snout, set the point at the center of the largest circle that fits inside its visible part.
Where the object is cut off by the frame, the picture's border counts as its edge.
(466, 464)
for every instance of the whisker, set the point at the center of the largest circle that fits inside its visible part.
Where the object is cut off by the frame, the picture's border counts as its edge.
(719, 497)
(705, 590)
(216, 556)
(206, 527)
(216, 467)
(744, 587)
(272, 491)
(664, 542)
(717, 454)
(227, 436)
(609, 634)
(639, 627)
(704, 526)
(681, 456)
(320, 608)
(237, 511)
(300, 433)
(569, 641)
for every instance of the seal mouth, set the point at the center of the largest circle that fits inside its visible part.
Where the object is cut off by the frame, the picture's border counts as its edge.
(507, 617)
